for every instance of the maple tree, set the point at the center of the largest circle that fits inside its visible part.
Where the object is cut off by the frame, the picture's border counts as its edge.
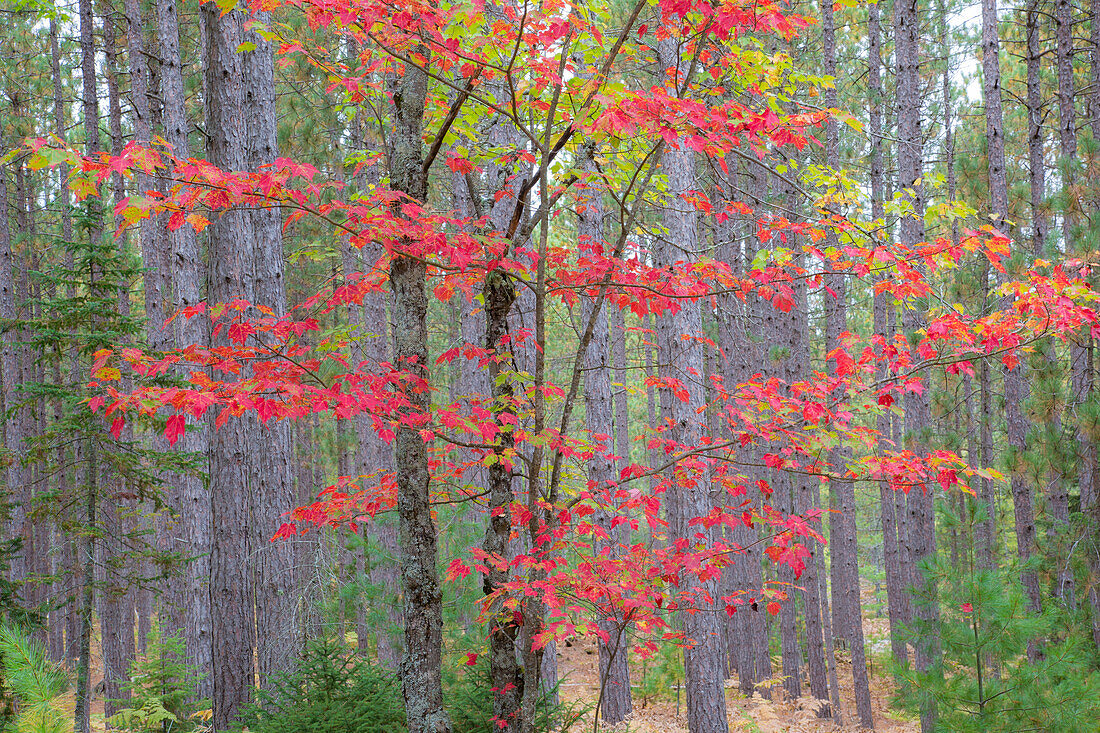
(563, 81)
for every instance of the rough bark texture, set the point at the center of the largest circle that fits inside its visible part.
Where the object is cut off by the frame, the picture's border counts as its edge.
(1016, 385)
(998, 197)
(232, 259)
(115, 601)
(154, 244)
(921, 519)
(59, 617)
(614, 695)
(1090, 493)
(847, 612)
(373, 457)
(278, 634)
(153, 240)
(505, 673)
(10, 357)
(748, 647)
(687, 496)
(1058, 491)
(806, 494)
(421, 667)
(188, 600)
(87, 556)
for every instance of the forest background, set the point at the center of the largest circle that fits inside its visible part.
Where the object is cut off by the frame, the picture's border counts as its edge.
(454, 331)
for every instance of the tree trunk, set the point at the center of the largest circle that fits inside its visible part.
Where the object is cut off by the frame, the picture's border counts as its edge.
(704, 664)
(1016, 384)
(614, 694)
(1090, 491)
(1058, 494)
(278, 635)
(373, 456)
(847, 614)
(739, 348)
(83, 708)
(189, 596)
(421, 668)
(232, 264)
(895, 583)
(921, 529)
(59, 616)
(10, 359)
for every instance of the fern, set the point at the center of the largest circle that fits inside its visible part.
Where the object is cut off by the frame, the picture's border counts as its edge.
(35, 682)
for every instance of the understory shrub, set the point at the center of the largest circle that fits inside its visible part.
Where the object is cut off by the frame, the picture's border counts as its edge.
(162, 690)
(469, 699)
(332, 691)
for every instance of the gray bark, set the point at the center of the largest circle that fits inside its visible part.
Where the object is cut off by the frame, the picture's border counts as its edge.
(115, 601)
(59, 618)
(704, 664)
(277, 628)
(614, 695)
(1090, 493)
(232, 260)
(421, 667)
(188, 599)
(1016, 384)
(87, 556)
(748, 646)
(373, 457)
(921, 517)
(847, 612)
(154, 247)
(15, 472)
(1058, 491)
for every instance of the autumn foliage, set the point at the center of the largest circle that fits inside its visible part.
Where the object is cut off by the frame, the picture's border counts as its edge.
(565, 79)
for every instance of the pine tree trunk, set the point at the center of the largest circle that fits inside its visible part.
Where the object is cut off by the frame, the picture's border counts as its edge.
(998, 197)
(87, 556)
(232, 263)
(58, 616)
(921, 530)
(373, 456)
(314, 562)
(1016, 384)
(115, 605)
(687, 497)
(1058, 494)
(738, 343)
(153, 239)
(83, 708)
(614, 694)
(1090, 491)
(806, 490)
(278, 632)
(843, 525)
(10, 364)
(897, 601)
(189, 597)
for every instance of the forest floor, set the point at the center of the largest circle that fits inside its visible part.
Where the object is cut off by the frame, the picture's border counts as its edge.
(578, 668)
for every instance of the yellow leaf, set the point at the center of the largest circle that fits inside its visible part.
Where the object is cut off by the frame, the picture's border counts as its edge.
(108, 374)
